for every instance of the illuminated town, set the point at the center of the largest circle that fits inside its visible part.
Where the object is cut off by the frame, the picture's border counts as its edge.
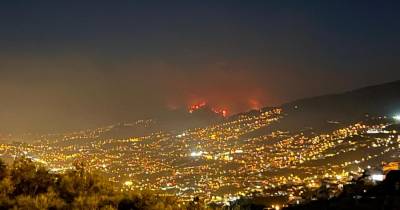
(224, 161)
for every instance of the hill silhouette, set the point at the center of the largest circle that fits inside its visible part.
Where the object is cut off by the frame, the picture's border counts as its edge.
(323, 113)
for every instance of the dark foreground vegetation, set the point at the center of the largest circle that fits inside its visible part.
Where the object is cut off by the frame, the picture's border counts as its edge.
(26, 185)
(361, 196)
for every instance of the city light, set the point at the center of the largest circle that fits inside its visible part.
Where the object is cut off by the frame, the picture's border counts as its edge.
(397, 117)
(276, 207)
(378, 177)
(128, 183)
(196, 154)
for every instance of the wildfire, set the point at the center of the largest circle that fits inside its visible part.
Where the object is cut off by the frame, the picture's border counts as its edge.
(222, 112)
(194, 107)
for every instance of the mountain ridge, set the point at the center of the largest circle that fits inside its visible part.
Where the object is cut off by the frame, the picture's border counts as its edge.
(319, 112)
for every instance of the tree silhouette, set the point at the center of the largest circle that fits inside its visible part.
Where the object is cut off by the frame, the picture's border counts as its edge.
(27, 185)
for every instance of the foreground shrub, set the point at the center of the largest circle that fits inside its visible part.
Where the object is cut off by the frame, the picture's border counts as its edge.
(26, 185)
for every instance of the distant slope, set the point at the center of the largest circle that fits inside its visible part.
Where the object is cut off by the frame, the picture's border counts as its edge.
(381, 99)
(322, 112)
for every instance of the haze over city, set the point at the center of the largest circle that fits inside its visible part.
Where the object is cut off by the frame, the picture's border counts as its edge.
(73, 65)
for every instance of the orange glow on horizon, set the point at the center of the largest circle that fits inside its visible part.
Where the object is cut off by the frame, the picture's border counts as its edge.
(254, 104)
(220, 111)
(197, 106)
(224, 106)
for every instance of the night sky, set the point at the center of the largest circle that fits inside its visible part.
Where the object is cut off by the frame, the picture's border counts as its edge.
(72, 64)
